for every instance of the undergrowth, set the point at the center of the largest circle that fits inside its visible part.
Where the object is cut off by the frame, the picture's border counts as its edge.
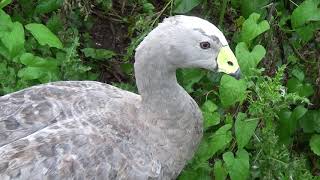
(264, 126)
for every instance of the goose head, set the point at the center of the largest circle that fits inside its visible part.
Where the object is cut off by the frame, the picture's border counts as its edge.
(188, 42)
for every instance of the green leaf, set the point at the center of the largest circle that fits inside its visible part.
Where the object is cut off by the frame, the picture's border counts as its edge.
(306, 12)
(184, 6)
(301, 88)
(4, 3)
(211, 117)
(315, 144)
(231, 90)
(249, 60)
(288, 122)
(44, 36)
(212, 144)
(310, 122)
(31, 73)
(248, 7)
(29, 59)
(238, 167)
(46, 6)
(98, 54)
(220, 173)
(191, 77)
(13, 39)
(251, 28)
(244, 129)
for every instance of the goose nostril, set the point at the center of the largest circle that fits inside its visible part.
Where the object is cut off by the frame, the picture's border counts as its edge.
(230, 63)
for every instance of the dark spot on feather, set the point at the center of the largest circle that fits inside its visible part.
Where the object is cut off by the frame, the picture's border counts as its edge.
(18, 154)
(15, 173)
(46, 149)
(20, 144)
(3, 167)
(11, 123)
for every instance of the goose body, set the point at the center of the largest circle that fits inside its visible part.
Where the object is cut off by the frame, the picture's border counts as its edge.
(90, 130)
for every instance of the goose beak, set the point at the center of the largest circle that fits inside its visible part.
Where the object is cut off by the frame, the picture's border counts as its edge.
(227, 62)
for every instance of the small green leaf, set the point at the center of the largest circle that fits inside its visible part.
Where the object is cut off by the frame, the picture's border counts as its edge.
(238, 167)
(315, 144)
(184, 6)
(4, 3)
(251, 28)
(220, 173)
(44, 36)
(231, 90)
(249, 60)
(98, 54)
(31, 73)
(307, 11)
(244, 129)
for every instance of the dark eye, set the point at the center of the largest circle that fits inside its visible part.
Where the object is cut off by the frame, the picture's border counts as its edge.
(205, 45)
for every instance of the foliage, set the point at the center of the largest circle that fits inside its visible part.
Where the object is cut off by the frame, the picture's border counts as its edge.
(264, 126)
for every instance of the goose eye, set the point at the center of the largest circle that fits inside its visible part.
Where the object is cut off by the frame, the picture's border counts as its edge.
(205, 45)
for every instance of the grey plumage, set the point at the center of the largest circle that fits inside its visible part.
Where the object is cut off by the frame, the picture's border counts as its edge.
(91, 130)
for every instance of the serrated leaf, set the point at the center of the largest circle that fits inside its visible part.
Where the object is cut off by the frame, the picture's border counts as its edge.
(251, 28)
(44, 36)
(249, 60)
(307, 11)
(310, 122)
(315, 144)
(244, 129)
(238, 167)
(4, 3)
(184, 6)
(231, 90)
(220, 173)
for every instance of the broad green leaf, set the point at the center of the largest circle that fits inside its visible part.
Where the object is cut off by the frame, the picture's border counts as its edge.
(13, 39)
(301, 88)
(220, 173)
(5, 21)
(31, 73)
(190, 77)
(288, 122)
(212, 144)
(310, 122)
(238, 167)
(251, 28)
(306, 32)
(315, 144)
(4, 3)
(211, 117)
(248, 7)
(44, 36)
(249, 60)
(244, 129)
(99, 54)
(202, 173)
(184, 6)
(46, 6)
(298, 73)
(306, 12)
(29, 59)
(231, 90)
